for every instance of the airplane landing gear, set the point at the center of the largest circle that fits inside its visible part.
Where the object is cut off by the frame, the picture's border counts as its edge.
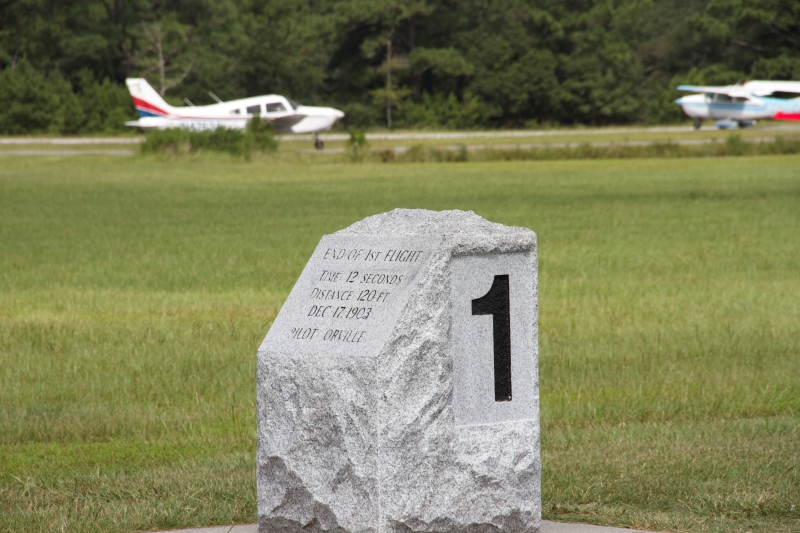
(697, 123)
(318, 144)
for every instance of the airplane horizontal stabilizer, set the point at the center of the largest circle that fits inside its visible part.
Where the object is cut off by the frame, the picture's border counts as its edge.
(138, 124)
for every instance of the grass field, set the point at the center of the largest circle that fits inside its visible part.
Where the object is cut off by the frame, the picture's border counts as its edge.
(134, 293)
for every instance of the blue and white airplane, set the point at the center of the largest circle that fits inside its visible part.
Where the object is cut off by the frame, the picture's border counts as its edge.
(741, 105)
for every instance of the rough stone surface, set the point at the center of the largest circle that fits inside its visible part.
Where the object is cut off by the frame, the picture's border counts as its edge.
(547, 527)
(375, 424)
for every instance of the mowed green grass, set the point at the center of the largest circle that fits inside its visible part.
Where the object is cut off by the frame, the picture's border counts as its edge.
(134, 294)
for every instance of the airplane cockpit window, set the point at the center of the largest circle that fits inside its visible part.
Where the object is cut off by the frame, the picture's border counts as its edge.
(254, 110)
(292, 103)
(722, 98)
(275, 108)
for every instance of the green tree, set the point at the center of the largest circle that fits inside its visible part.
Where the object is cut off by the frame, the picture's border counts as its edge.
(284, 48)
(163, 52)
(383, 29)
(510, 47)
(34, 103)
(759, 37)
(437, 63)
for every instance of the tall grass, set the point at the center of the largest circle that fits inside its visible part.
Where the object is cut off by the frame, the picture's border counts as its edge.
(134, 294)
(176, 142)
(733, 145)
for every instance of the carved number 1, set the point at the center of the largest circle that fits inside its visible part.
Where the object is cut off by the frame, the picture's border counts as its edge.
(496, 303)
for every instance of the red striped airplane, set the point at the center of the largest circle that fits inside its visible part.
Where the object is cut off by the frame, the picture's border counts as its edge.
(287, 116)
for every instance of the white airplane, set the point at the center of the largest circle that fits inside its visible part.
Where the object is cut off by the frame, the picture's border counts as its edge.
(286, 115)
(741, 105)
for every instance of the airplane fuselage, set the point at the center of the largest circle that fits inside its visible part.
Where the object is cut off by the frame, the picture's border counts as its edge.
(705, 106)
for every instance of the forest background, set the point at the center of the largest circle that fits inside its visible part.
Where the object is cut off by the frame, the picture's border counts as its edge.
(459, 64)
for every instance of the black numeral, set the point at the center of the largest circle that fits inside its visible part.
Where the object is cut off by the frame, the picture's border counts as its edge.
(496, 303)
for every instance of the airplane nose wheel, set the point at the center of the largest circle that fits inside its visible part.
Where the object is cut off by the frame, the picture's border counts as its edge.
(697, 124)
(318, 144)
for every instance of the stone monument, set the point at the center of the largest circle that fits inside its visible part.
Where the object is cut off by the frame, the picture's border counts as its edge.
(397, 389)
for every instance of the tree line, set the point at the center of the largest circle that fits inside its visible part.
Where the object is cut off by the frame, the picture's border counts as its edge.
(398, 63)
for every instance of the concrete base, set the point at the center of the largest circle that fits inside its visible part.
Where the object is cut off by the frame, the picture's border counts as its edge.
(547, 527)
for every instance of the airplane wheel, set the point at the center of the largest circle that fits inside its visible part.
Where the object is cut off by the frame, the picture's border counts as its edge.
(318, 144)
(697, 124)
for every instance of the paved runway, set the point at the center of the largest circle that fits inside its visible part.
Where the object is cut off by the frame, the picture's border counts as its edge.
(529, 146)
(439, 135)
(333, 137)
(67, 152)
(71, 140)
(404, 136)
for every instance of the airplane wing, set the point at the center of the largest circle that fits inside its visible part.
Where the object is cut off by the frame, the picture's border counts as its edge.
(284, 124)
(734, 91)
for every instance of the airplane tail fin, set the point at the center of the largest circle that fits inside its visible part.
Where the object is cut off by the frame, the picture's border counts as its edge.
(786, 116)
(147, 101)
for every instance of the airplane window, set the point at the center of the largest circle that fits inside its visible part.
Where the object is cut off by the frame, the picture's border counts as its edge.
(235, 111)
(783, 95)
(292, 103)
(722, 98)
(254, 110)
(275, 108)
